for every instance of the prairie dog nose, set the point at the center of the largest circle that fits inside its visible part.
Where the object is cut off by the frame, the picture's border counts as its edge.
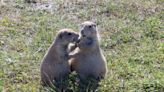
(76, 38)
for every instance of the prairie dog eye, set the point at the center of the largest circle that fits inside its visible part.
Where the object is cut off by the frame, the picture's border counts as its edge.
(90, 26)
(69, 34)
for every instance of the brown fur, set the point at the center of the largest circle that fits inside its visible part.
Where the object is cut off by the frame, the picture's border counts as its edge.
(87, 59)
(54, 65)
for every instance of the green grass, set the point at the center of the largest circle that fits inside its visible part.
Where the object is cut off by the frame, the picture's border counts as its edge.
(132, 38)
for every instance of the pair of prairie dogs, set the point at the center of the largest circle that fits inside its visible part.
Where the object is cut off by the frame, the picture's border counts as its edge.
(86, 57)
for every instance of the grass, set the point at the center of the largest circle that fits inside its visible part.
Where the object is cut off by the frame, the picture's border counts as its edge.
(132, 38)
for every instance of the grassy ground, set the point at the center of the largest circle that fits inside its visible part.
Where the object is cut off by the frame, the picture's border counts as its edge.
(132, 38)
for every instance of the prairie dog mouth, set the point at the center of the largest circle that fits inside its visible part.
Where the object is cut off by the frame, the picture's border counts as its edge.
(78, 41)
(74, 40)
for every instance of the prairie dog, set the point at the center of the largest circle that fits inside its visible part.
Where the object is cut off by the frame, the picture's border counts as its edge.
(87, 59)
(55, 65)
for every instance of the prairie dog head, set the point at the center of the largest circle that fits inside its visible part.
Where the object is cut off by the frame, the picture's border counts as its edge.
(66, 36)
(88, 29)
